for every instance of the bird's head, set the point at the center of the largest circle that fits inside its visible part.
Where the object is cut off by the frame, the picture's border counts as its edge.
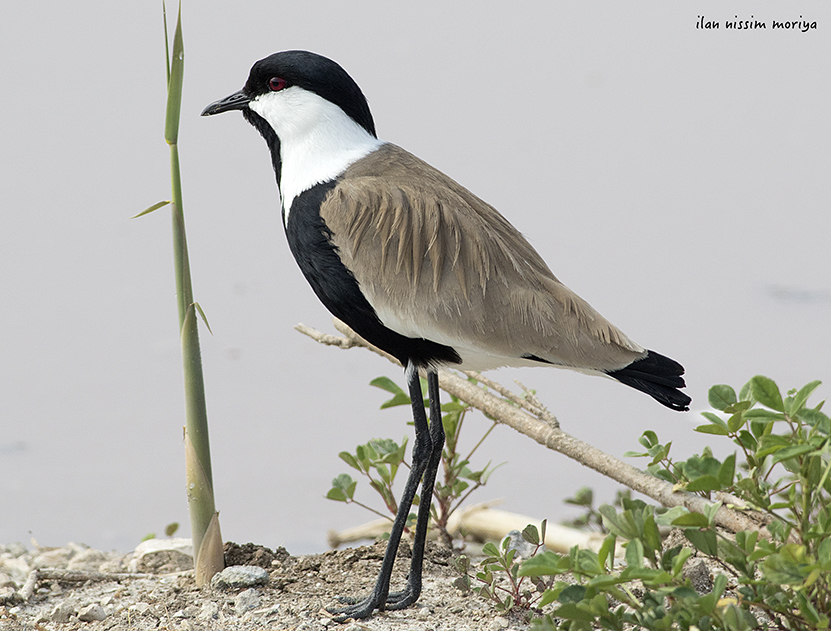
(312, 114)
(294, 91)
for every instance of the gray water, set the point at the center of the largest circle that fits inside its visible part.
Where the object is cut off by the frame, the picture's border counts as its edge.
(675, 178)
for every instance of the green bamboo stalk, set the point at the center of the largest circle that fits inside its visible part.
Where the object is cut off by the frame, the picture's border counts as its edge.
(207, 541)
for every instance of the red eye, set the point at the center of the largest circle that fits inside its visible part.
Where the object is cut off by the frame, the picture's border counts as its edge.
(276, 84)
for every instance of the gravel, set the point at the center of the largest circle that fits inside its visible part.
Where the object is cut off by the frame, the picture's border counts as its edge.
(76, 587)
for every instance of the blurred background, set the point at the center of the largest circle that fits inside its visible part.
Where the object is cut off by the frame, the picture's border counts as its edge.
(676, 178)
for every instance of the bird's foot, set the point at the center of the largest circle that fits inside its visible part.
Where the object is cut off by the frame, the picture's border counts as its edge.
(357, 609)
(402, 599)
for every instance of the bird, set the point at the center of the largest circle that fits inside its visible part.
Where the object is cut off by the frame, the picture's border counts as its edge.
(420, 267)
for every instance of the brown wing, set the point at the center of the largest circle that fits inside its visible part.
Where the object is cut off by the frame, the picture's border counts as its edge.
(437, 262)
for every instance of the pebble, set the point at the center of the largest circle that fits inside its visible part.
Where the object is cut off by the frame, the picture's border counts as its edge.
(88, 560)
(699, 576)
(15, 567)
(162, 555)
(91, 613)
(499, 623)
(239, 576)
(14, 550)
(246, 601)
(59, 557)
(8, 595)
(62, 613)
(140, 607)
(209, 611)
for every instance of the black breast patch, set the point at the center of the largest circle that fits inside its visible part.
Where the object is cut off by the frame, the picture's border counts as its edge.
(310, 241)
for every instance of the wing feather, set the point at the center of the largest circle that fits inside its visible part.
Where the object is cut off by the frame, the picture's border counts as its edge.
(437, 262)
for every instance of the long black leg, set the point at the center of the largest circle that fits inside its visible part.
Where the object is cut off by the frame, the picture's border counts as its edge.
(421, 456)
(412, 591)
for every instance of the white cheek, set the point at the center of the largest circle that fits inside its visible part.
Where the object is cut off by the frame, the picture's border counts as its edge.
(290, 112)
(318, 141)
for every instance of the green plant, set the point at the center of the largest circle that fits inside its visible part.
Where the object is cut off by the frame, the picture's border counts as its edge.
(777, 577)
(498, 578)
(384, 457)
(207, 540)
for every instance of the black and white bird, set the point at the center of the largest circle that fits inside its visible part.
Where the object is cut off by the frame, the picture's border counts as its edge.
(419, 266)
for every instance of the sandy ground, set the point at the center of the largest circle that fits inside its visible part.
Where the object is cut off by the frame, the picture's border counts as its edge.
(80, 588)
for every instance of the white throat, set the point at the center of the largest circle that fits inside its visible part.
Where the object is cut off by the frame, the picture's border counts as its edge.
(318, 141)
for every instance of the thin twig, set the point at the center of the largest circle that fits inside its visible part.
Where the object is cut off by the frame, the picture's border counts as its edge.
(528, 404)
(543, 413)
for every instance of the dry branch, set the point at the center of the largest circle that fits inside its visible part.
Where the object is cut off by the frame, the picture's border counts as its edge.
(72, 576)
(480, 522)
(541, 428)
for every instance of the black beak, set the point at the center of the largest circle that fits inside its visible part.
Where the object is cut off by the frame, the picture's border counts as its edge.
(236, 101)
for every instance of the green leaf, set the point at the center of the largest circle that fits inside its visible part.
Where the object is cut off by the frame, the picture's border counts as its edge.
(383, 473)
(203, 316)
(727, 472)
(801, 397)
(789, 567)
(147, 211)
(531, 534)
(583, 497)
(336, 494)
(767, 392)
(757, 415)
(546, 563)
(549, 596)
(718, 430)
(739, 406)
(710, 511)
(680, 560)
(715, 419)
(791, 452)
(399, 396)
(174, 85)
(607, 552)
(703, 540)
(343, 488)
(704, 483)
(385, 383)
(572, 594)
(453, 406)
(691, 520)
(815, 418)
(745, 393)
(617, 524)
(634, 553)
(350, 460)
(667, 517)
(648, 439)
(572, 611)
(720, 396)
(735, 422)
(824, 553)
(651, 536)
(490, 549)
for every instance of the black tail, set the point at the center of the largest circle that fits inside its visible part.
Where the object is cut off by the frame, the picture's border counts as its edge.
(659, 377)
